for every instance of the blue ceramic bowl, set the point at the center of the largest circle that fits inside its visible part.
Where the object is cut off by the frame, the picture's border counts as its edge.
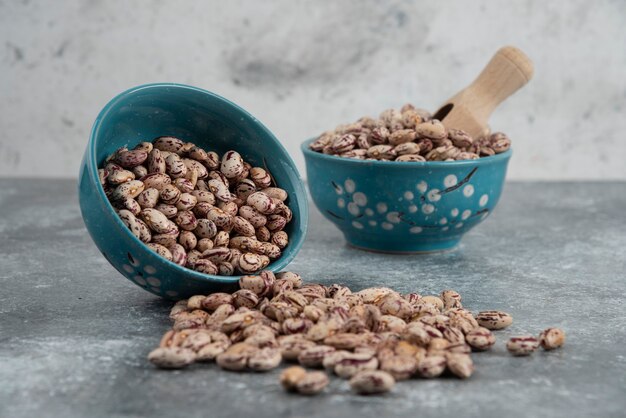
(192, 114)
(404, 207)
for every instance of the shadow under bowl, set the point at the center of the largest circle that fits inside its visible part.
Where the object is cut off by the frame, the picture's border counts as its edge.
(409, 207)
(213, 123)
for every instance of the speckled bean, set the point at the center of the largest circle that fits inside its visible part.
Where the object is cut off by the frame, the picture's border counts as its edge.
(179, 255)
(168, 143)
(166, 239)
(185, 185)
(130, 159)
(312, 383)
(130, 189)
(169, 211)
(480, 339)
(156, 180)
(186, 202)
(232, 165)
(494, 320)
(265, 359)
(160, 250)
(261, 202)
(120, 176)
(250, 263)
(369, 382)
(244, 188)
(205, 266)
(175, 167)
(205, 228)
(169, 194)
(157, 221)
(148, 198)
(156, 162)
(522, 345)
(186, 220)
(551, 338)
(130, 221)
(242, 227)
(171, 358)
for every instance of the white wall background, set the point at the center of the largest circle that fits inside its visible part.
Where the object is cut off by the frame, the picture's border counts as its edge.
(304, 66)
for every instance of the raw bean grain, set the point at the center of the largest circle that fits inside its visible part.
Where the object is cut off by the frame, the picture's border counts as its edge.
(176, 197)
(522, 345)
(171, 358)
(372, 382)
(551, 338)
(407, 135)
(480, 339)
(373, 337)
(494, 320)
(312, 383)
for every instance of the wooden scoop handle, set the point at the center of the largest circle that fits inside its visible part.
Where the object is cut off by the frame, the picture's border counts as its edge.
(508, 71)
(469, 109)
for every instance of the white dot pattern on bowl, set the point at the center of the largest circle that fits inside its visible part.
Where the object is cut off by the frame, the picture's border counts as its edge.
(350, 186)
(357, 224)
(353, 208)
(153, 281)
(393, 217)
(389, 214)
(450, 181)
(434, 195)
(360, 199)
(428, 209)
(139, 280)
(468, 190)
(483, 200)
(136, 275)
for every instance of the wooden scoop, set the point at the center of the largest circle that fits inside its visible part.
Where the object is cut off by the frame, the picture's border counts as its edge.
(469, 109)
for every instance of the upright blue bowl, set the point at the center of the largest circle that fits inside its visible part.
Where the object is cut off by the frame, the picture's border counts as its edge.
(192, 114)
(406, 207)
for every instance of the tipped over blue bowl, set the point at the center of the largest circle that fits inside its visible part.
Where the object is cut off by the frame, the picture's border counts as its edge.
(404, 207)
(211, 122)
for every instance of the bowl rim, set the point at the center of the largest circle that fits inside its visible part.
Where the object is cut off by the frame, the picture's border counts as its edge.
(92, 167)
(402, 165)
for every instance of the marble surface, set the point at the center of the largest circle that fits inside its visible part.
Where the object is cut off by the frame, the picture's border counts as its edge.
(74, 334)
(302, 67)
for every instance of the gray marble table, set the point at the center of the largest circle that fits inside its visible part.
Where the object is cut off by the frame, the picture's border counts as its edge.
(74, 333)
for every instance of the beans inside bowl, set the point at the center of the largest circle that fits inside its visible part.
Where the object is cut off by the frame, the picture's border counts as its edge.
(210, 213)
(407, 135)
(384, 199)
